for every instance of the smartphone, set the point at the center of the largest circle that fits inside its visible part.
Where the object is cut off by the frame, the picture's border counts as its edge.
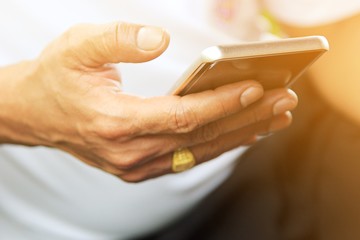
(274, 64)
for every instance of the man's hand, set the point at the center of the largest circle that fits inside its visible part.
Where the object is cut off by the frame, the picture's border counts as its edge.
(70, 98)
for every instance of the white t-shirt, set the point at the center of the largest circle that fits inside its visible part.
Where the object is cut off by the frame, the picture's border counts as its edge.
(46, 194)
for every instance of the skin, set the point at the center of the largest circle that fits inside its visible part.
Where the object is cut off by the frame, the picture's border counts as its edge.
(336, 74)
(70, 98)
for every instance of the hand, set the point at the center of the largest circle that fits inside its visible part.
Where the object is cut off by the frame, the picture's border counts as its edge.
(70, 98)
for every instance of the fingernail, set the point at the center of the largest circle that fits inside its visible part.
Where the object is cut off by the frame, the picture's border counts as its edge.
(283, 105)
(250, 96)
(150, 38)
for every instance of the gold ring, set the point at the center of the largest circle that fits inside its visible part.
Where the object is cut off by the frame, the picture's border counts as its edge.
(182, 160)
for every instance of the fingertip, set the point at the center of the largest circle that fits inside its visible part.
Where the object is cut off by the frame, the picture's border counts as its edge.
(280, 122)
(150, 38)
(289, 117)
(284, 104)
(248, 91)
(291, 92)
(251, 95)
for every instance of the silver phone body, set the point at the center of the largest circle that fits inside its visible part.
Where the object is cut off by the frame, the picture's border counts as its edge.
(274, 63)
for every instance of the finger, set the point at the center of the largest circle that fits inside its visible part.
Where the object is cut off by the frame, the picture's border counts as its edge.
(274, 102)
(207, 151)
(95, 45)
(89, 159)
(147, 147)
(251, 141)
(174, 114)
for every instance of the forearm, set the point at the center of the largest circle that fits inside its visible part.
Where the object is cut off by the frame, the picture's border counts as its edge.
(15, 108)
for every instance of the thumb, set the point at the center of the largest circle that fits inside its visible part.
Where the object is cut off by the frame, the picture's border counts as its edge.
(95, 45)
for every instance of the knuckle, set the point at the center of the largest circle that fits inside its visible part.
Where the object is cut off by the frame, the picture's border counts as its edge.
(269, 127)
(70, 41)
(112, 170)
(255, 117)
(126, 32)
(113, 122)
(125, 41)
(183, 119)
(109, 129)
(122, 29)
(107, 132)
(224, 110)
(215, 149)
(110, 41)
(131, 158)
(124, 163)
(209, 132)
(71, 33)
(133, 178)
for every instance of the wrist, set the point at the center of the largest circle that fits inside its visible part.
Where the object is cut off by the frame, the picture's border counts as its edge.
(16, 115)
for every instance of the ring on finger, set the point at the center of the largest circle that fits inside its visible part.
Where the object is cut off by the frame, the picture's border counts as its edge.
(182, 160)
